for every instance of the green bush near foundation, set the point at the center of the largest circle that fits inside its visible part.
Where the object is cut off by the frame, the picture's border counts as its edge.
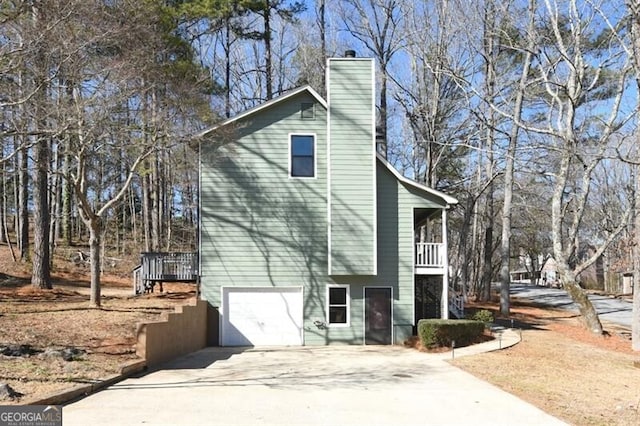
(484, 316)
(438, 332)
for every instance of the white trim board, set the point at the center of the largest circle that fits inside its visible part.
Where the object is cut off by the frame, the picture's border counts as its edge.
(446, 198)
(328, 154)
(266, 105)
(374, 168)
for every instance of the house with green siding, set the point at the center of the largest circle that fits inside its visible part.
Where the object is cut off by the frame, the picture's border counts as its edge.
(307, 235)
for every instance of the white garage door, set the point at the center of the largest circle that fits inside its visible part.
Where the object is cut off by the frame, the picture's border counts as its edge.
(261, 316)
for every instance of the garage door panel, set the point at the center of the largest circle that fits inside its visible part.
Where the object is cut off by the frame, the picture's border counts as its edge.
(262, 316)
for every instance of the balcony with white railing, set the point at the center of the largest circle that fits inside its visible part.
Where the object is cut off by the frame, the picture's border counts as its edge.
(430, 258)
(430, 255)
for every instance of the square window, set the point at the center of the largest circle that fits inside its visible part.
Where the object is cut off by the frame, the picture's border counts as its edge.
(338, 296)
(337, 315)
(302, 167)
(338, 310)
(307, 111)
(302, 151)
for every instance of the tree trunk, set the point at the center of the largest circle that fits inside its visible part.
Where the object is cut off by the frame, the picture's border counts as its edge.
(67, 226)
(505, 247)
(3, 205)
(22, 179)
(133, 217)
(588, 312)
(323, 41)
(146, 208)
(227, 69)
(267, 50)
(41, 277)
(55, 197)
(155, 205)
(23, 209)
(490, 57)
(95, 233)
(567, 277)
(487, 265)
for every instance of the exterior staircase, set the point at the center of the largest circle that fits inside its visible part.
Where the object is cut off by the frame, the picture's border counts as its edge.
(456, 301)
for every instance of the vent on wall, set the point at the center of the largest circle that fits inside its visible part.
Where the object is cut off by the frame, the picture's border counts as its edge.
(307, 111)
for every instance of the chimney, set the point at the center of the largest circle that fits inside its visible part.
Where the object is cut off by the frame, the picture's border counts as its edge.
(351, 135)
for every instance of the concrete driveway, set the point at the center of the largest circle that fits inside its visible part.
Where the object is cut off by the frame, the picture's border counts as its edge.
(337, 385)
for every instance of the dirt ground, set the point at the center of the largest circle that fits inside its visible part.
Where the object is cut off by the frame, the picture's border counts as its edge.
(564, 369)
(50, 321)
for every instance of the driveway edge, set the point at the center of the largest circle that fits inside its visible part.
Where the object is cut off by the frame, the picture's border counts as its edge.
(61, 397)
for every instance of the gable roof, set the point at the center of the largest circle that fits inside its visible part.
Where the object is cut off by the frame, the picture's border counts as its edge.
(308, 89)
(275, 101)
(446, 198)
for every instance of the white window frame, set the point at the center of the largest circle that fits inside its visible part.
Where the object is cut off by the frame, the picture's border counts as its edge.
(315, 155)
(347, 306)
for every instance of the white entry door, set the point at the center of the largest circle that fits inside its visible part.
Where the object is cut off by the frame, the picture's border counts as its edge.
(261, 316)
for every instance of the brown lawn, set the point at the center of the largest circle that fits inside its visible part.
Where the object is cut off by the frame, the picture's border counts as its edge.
(61, 318)
(564, 369)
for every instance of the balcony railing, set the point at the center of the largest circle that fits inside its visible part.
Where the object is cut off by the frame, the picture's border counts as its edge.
(430, 255)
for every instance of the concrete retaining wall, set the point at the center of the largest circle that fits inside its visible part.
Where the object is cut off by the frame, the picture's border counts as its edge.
(181, 332)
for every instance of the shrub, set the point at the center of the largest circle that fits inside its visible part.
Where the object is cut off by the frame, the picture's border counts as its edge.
(484, 316)
(436, 332)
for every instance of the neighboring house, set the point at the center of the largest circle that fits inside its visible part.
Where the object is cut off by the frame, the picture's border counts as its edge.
(307, 236)
(592, 278)
(549, 273)
(545, 275)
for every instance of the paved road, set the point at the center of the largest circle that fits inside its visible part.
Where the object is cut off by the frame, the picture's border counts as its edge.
(336, 385)
(610, 309)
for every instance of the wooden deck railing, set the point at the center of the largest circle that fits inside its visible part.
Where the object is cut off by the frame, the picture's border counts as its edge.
(161, 267)
(169, 266)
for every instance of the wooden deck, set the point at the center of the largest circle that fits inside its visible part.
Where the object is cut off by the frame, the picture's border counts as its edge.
(156, 267)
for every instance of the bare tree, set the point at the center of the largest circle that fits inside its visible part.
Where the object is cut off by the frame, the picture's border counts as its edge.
(41, 275)
(18, 89)
(505, 246)
(313, 47)
(489, 53)
(571, 77)
(376, 24)
(434, 105)
(575, 65)
(124, 61)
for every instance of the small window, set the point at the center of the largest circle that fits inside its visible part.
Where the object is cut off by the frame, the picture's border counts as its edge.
(338, 311)
(303, 153)
(307, 111)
